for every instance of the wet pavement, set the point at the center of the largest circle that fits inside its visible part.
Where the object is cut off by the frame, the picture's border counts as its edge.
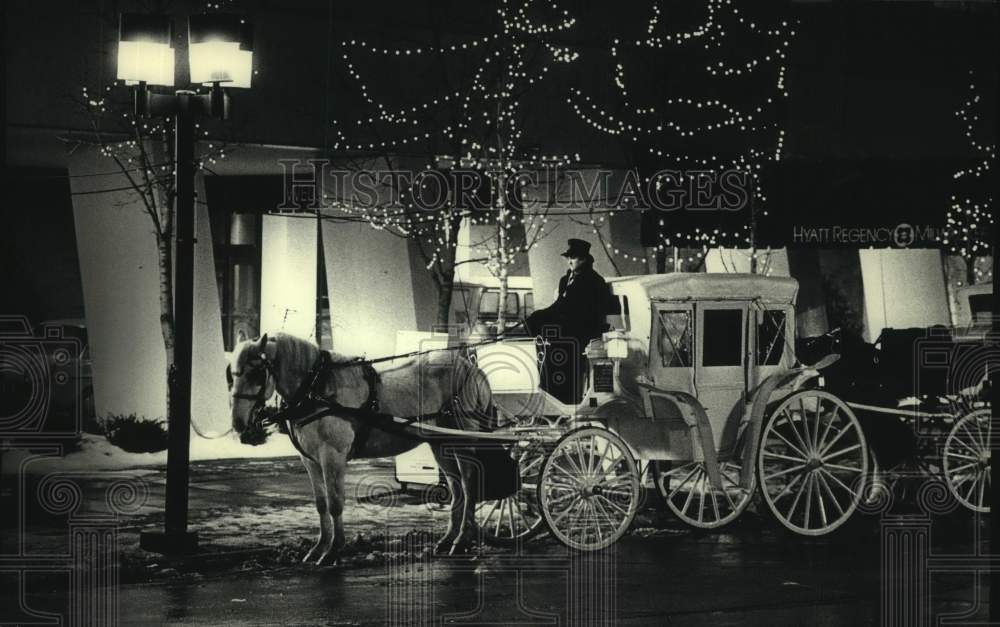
(754, 573)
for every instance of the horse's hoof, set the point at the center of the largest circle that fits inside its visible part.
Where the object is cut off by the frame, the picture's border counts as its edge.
(444, 547)
(328, 559)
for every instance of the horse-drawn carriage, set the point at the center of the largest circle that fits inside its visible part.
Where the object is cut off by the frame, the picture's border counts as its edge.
(698, 385)
(923, 397)
(697, 388)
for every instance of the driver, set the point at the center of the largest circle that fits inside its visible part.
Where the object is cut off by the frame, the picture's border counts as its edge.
(579, 312)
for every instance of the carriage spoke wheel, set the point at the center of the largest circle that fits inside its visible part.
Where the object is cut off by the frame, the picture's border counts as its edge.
(812, 462)
(967, 466)
(690, 495)
(589, 490)
(505, 521)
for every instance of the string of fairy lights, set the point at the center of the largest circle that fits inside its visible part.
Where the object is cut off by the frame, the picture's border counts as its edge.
(659, 124)
(486, 99)
(486, 111)
(970, 214)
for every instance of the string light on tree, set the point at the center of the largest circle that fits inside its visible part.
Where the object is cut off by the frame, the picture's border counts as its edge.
(474, 124)
(705, 122)
(967, 229)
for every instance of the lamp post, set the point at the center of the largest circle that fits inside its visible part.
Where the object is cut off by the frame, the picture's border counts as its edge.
(220, 54)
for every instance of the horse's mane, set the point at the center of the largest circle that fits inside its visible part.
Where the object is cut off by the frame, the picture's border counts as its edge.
(297, 356)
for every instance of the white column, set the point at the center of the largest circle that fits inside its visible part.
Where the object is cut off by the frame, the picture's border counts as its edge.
(467, 270)
(903, 288)
(120, 277)
(370, 283)
(288, 276)
(737, 260)
(209, 392)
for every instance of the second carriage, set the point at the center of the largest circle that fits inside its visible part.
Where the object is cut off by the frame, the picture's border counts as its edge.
(696, 388)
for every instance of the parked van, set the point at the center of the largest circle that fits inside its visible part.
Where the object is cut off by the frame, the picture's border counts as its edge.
(475, 307)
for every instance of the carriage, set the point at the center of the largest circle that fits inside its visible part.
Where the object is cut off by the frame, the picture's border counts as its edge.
(696, 388)
(923, 397)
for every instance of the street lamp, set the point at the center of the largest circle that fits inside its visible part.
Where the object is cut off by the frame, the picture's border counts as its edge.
(220, 48)
(145, 54)
(220, 55)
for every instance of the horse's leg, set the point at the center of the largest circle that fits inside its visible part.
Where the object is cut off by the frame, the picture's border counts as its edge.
(334, 467)
(337, 502)
(469, 475)
(319, 492)
(449, 466)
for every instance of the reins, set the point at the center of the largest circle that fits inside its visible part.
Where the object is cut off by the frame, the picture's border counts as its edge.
(493, 340)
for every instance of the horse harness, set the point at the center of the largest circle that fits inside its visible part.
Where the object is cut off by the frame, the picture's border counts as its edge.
(302, 409)
(299, 411)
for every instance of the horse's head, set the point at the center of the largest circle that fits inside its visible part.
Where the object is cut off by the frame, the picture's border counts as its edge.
(251, 380)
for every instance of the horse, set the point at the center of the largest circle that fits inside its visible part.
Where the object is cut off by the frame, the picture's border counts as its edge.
(443, 386)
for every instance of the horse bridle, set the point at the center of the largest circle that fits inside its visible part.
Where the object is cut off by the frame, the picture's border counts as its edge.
(261, 395)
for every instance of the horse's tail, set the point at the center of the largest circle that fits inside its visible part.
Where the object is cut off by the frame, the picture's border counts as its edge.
(485, 392)
(475, 395)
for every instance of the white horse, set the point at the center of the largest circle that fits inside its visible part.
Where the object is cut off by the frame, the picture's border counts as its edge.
(431, 384)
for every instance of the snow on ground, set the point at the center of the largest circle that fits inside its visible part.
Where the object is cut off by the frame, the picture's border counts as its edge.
(96, 453)
(270, 525)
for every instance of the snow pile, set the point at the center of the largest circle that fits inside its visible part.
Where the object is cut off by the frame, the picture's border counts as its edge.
(96, 453)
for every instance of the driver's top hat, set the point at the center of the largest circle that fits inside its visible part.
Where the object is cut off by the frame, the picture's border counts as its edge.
(578, 249)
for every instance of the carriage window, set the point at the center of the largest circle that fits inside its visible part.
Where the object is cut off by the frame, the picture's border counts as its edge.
(529, 304)
(770, 337)
(723, 337)
(675, 338)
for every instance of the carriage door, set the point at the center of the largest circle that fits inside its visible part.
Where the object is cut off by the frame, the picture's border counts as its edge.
(772, 343)
(720, 375)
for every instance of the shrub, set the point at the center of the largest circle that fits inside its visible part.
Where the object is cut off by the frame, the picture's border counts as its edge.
(135, 434)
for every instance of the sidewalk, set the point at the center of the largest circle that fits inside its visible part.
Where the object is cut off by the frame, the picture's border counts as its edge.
(248, 513)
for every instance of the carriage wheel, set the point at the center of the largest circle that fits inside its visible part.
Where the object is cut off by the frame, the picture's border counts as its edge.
(505, 521)
(967, 454)
(691, 496)
(812, 462)
(590, 488)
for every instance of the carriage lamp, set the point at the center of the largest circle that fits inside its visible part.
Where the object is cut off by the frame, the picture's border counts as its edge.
(616, 344)
(220, 54)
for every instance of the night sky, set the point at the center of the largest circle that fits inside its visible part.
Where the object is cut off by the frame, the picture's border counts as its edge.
(869, 122)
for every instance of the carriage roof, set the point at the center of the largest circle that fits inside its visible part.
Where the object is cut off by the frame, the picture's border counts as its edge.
(708, 286)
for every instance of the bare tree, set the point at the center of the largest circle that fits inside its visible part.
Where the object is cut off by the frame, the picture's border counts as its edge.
(468, 120)
(141, 150)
